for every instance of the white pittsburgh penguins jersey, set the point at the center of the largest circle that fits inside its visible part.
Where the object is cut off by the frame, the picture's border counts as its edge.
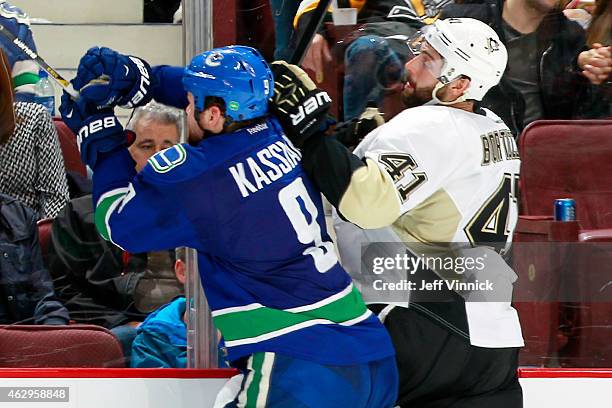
(455, 173)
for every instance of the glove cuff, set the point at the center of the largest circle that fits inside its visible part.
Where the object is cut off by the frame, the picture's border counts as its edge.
(306, 118)
(100, 133)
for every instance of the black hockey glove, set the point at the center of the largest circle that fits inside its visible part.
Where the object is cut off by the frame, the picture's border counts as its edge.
(351, 133)
(299, 105)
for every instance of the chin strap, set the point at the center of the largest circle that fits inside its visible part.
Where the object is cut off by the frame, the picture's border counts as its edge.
(435, 99)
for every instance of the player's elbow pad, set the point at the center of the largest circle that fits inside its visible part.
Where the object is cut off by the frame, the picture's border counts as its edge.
(370, 201)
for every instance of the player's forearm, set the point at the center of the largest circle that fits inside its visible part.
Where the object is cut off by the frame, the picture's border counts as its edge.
(113, 170)
(330, 165)
(137, 211)
(361, 192)
(168, 86)
(370, 201)
(111, 179)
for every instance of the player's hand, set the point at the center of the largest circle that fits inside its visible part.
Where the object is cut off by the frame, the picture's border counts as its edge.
(317, 56)
(298, 104)
(108, 78)
(75, 112)
(596, 63)
(352, 132)
(97, 129)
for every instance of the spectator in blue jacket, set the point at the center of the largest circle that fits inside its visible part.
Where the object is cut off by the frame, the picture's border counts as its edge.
(161, 341)
(26, 289)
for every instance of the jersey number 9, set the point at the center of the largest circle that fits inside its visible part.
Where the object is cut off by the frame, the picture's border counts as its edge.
(296, 202)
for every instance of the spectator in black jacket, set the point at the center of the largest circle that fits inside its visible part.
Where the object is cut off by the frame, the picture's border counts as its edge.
(549, 73)
(26, 289)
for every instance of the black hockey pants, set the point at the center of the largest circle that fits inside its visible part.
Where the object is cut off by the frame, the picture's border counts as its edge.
(440, 369)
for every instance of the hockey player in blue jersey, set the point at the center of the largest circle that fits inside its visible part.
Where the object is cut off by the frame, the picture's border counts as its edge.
(290, 316)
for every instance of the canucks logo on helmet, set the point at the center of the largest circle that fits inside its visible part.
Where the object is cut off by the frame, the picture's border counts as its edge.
(214, 60)
(237, 74)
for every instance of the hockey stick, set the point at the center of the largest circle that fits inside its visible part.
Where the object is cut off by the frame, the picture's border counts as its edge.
(67, 86)
(313, 25)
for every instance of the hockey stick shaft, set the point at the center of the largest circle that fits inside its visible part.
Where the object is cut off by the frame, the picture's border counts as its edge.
(316, 17)
(67, 86)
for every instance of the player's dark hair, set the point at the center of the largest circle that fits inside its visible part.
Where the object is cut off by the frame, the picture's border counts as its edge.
(211, 101)
(230, 126)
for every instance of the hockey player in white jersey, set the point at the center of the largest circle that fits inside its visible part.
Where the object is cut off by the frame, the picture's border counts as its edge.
(440, 178)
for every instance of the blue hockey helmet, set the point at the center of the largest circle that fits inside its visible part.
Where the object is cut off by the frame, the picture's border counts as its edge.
(237, 74)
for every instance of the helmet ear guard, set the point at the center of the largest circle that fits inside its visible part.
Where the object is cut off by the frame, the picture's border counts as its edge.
(441, 84)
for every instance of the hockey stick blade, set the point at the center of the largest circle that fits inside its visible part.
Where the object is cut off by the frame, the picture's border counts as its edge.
(67, 86)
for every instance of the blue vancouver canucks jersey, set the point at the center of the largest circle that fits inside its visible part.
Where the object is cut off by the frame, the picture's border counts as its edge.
(267, 264)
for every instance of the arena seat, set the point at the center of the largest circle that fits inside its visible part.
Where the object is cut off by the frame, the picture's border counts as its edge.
(59, 346)
(564, 301)
(70, 150)
(568, 158)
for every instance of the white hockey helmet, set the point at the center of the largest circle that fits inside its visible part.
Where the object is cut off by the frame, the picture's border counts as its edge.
(469, 47)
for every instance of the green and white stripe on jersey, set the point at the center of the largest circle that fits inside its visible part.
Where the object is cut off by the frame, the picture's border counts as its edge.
(255, 323)
(107, 204)
(254, 394)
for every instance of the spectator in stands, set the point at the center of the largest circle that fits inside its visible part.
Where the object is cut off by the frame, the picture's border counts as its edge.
(161, 341)
(548, 77)
(599, 33)
(160, 11)
(573, 12)
(283, 12)
(26, 289)
(100, 283)
(24, 70)
(600, 28)
(32, 167)
(374, 62)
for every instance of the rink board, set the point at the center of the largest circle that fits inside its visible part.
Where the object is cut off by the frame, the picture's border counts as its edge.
(157, 388)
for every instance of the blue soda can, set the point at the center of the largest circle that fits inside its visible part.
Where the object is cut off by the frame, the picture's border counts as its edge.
(565, 209)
